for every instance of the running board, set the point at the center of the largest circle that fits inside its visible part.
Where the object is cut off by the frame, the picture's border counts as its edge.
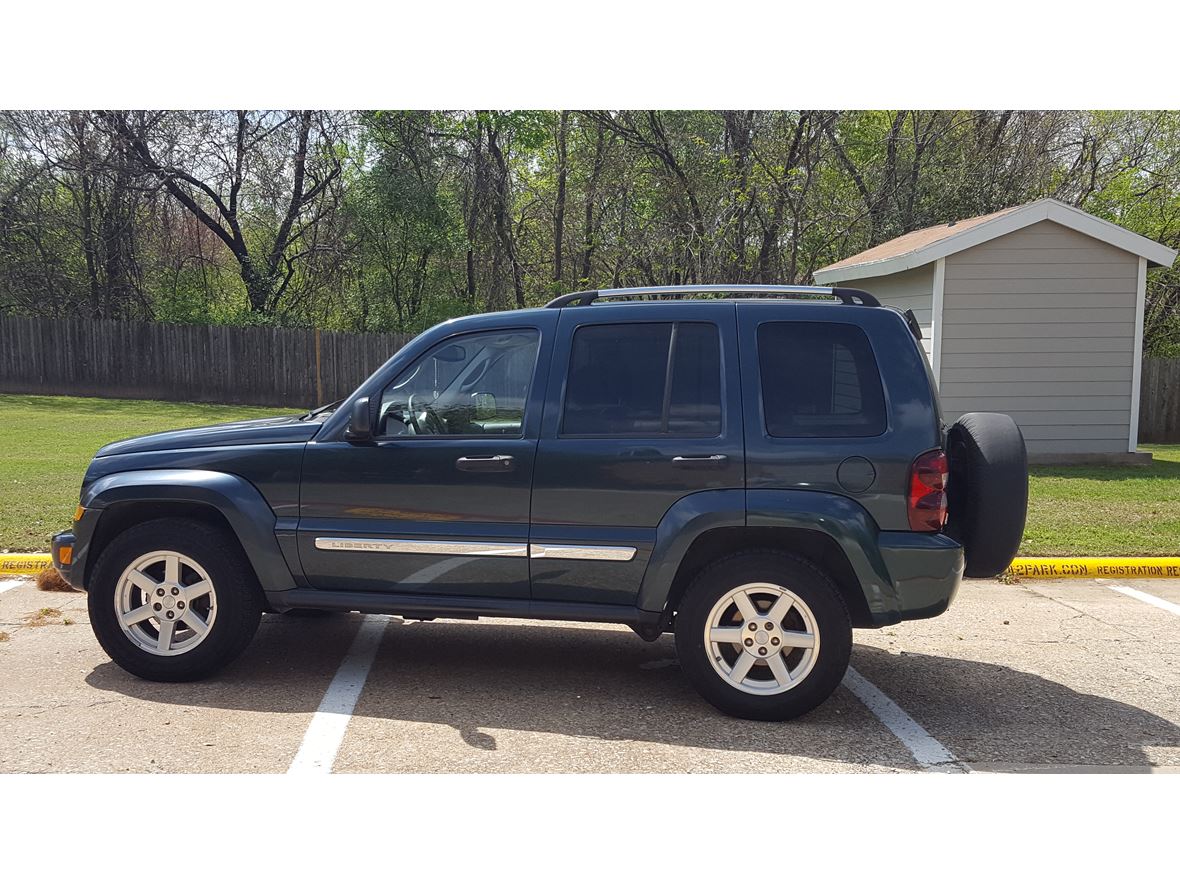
(644, 623)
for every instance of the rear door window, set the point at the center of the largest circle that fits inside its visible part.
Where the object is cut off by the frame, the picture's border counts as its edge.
(644, 379)
(819, 380)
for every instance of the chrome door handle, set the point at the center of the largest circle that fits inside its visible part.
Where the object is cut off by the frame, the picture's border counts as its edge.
(714, 461)
(488, 464)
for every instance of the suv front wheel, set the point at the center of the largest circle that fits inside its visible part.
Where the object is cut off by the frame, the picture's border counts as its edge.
(173, 600)
(763, 635)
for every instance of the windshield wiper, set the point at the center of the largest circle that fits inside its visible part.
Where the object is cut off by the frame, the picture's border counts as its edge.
(321, 409)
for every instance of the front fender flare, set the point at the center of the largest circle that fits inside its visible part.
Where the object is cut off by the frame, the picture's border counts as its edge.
(239, 502)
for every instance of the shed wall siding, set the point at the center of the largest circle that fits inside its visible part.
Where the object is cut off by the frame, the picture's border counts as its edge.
(1040, 324)
(908, 290)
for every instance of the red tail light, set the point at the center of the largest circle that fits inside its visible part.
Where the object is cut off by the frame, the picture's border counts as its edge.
(927, 498)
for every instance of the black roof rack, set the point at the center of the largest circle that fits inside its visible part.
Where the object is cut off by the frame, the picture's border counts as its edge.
(848, 296)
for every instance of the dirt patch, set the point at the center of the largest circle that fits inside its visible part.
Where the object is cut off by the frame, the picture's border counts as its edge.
(3, 636)
(49, 581)
(44, 617)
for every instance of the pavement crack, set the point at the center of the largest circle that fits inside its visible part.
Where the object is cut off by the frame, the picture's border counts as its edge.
(1081, 613)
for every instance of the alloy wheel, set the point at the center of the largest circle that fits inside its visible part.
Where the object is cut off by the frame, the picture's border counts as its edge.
(762, 639)
(166, 603)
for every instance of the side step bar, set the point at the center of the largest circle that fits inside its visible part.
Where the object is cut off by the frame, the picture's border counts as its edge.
(647, 624)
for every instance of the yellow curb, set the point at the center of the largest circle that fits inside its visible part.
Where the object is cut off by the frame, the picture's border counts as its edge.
(1096, 567)
(24, 563)
(1023, 567)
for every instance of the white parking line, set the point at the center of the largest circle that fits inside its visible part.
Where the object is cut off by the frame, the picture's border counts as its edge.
(324, 735)
(927, 752)
(8, 585)
(1146, 597)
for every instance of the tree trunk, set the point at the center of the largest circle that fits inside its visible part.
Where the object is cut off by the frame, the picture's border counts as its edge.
(559, 211)
(739, 140)
(86, 183)
(591, 196)
(259, 289)
(773, 228)
(473, 208)
(500, 215)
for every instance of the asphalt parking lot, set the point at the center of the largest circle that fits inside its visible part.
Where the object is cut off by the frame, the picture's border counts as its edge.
(1040, 676)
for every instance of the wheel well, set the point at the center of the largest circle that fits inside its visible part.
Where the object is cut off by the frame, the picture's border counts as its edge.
(119, 517)
(815, 546)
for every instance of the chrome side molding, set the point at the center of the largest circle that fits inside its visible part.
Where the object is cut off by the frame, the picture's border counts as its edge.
(593, 552)
(437, 548)
(581, 551)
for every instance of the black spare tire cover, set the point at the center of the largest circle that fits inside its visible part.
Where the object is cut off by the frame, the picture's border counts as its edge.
(987, 491)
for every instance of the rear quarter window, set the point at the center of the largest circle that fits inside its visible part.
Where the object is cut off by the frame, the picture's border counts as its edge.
(819, 380)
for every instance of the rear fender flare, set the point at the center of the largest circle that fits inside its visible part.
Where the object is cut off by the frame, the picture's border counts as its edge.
(681, 525)
(843, 520)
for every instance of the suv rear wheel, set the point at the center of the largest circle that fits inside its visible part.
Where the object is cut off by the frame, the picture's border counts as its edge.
(173, 600)
(763, 635)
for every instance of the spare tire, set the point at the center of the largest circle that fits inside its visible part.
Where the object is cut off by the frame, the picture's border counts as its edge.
(987, 491)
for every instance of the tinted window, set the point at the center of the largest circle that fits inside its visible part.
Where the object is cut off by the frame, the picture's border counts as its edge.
(694, 405)
(468, 385)
(621, 382)
(819, 379)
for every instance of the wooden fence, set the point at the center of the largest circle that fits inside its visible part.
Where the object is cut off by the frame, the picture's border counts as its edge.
(293, 368)
(1159, 401)
(287, 367)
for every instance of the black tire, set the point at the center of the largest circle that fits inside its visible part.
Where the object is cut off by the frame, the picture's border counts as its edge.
(239, 598)
(987, 493)
(805, 580)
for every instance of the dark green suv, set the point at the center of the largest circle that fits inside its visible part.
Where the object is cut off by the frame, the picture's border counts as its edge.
(757, 469)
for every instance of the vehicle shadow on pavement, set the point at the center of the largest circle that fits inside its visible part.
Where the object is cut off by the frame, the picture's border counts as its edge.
(992, 715)
(610, 685)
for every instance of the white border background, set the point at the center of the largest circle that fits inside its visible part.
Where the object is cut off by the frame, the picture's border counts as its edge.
(421, 829)
(599, 54)
(603, 53)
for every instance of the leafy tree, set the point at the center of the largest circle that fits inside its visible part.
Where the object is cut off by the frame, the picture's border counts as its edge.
(393, 220)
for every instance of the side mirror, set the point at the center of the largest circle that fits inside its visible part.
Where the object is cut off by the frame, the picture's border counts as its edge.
(360, 422)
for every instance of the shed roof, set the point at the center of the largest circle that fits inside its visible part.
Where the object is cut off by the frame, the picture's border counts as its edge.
(921, 247)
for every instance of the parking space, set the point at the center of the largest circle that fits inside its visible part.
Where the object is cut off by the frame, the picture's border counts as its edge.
(1036, 676)
(449, 696)
(1039, 675)
(65, 707)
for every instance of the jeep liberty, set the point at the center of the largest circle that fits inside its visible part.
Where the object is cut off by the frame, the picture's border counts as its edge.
(755, 469)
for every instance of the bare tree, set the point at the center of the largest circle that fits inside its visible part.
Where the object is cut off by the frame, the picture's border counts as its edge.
(65, 152)
(275, 169)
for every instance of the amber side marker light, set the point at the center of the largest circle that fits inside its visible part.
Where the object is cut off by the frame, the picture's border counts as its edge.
(78, 512)
(65, 555)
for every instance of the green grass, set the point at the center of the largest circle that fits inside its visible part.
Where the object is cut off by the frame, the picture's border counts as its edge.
(1106, 511)
(47, 441)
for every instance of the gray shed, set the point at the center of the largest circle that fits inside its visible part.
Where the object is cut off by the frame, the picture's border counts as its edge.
(1035, 311)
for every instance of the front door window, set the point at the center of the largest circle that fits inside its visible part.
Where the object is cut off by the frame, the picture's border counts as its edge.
(469, 385)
